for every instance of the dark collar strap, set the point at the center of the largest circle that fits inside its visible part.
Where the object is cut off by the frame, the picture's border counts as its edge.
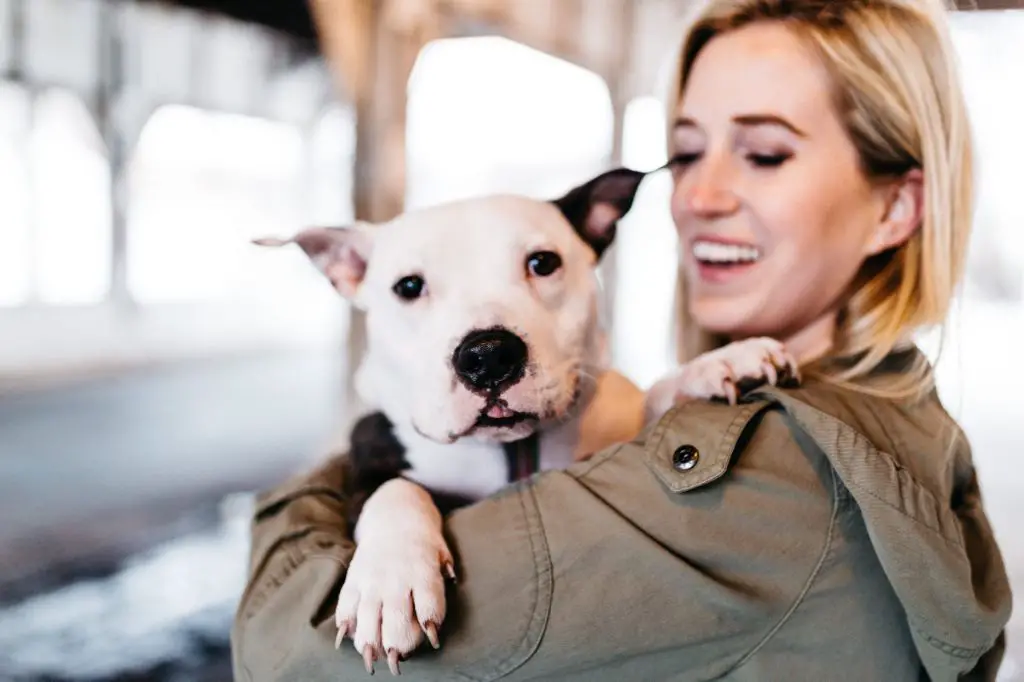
(523, 457)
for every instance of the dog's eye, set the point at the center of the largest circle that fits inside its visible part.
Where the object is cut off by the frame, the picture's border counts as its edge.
(409, 288)
(543, 263)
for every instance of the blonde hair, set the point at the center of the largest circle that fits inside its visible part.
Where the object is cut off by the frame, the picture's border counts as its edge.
(898, 94)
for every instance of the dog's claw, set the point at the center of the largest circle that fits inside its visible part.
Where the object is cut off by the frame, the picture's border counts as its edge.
(430, 629)
(393, 662)
(449, 570)
(368, 658)
(730, 391)
(344, 627)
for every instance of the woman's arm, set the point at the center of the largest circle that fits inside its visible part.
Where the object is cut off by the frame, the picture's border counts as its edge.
(629, 562)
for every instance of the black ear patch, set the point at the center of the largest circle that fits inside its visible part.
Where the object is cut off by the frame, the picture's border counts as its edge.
(594, 209)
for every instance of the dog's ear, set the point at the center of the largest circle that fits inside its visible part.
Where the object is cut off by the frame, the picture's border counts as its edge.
(341, 253)
(594, 209)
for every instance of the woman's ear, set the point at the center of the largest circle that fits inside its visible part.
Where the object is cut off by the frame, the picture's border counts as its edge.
(903, 216)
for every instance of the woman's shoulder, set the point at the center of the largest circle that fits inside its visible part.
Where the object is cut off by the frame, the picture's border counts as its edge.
(908, 469)
(904, 469)
(913, 455)
(919, 437)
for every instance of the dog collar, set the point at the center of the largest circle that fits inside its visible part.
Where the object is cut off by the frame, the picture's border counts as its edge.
(523, 457)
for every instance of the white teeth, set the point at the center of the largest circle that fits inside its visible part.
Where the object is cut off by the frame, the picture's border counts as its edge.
(716, 252)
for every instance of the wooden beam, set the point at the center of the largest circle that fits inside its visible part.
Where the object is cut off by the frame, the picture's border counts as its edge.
(345, 32)
(617, 77)
(372, 45)
(999, 4)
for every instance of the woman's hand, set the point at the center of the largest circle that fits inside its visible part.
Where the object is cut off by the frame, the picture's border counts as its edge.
(719, 373)
(393, 593)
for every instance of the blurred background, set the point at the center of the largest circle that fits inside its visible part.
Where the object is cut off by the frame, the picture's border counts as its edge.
(156, 369)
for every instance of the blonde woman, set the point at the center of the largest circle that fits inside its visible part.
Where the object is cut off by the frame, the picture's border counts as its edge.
(822, 168)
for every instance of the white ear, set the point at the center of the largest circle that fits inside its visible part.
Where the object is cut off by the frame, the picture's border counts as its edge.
(341, 253)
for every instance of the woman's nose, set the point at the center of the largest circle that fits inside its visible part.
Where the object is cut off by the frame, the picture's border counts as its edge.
(706, 192)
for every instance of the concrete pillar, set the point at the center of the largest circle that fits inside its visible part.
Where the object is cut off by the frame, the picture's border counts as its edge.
(111, 85)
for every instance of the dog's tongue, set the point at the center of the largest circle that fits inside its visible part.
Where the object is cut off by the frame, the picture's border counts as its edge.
(499, 412)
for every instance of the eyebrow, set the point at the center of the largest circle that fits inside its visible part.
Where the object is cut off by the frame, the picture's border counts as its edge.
(748, 120)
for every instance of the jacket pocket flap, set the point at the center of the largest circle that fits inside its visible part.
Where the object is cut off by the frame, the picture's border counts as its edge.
(693, 444)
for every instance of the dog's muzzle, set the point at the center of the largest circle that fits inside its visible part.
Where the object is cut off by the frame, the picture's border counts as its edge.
(488, 361)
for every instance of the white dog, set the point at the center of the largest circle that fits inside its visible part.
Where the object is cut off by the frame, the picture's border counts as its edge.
(486, 360)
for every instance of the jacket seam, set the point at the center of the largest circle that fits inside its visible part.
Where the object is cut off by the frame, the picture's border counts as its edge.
(251, 603)
(594, 462)
(902, 512)
(544, 584)
(270, 505)
(952, 649)
(862, 441)
(802, 595)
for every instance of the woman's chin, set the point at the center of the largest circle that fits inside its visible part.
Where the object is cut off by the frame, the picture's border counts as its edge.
(726, 317)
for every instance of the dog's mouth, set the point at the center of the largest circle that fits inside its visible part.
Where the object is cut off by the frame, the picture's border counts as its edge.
(497, 414)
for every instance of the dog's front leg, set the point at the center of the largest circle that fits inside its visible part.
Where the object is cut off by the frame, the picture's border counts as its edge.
(722, 373)
(394, 588)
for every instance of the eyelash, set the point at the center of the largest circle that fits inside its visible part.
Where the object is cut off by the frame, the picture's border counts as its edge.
(681, 161)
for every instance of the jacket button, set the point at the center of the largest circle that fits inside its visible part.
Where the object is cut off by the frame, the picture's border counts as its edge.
(685, 457)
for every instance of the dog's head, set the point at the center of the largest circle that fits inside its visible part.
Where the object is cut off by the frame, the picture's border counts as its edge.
(482, 315)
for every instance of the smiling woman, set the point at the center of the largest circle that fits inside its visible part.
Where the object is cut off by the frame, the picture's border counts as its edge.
(763, 257)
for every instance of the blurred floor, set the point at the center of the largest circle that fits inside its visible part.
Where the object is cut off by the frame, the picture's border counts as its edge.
(90, 472)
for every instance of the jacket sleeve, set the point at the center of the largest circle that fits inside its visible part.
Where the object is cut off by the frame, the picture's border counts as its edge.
(642, 562)
(299, 548)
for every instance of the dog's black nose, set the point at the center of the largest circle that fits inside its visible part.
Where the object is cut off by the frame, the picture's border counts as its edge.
(490, 359)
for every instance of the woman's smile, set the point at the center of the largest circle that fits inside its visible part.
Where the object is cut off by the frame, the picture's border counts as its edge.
(721, 260)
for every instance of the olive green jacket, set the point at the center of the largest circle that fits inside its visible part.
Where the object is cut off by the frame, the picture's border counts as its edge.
(808, 534)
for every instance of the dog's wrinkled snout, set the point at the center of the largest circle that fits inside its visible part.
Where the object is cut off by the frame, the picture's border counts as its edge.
(490, 360)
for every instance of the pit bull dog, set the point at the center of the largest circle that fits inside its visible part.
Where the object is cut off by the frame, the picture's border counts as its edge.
(486, 360)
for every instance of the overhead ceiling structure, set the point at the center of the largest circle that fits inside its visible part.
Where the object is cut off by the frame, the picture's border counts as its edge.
(989, 4)
(291, 17)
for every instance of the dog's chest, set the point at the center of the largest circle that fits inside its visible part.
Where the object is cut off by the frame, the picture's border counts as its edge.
(476, 469)
(467, 469)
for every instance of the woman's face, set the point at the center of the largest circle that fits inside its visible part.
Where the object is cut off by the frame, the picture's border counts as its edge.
(774, 215)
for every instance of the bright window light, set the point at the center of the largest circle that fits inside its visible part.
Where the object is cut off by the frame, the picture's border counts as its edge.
(71, 212)
(646, 244)
(491, 115)
(15, 200)
(203, 184)
(990, 46)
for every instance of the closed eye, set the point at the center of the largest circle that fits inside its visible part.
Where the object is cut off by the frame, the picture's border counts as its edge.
(681, 161)
(768, 160)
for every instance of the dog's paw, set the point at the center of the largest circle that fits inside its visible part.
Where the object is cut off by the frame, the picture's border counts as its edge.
(724, 373)
(393, 596)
